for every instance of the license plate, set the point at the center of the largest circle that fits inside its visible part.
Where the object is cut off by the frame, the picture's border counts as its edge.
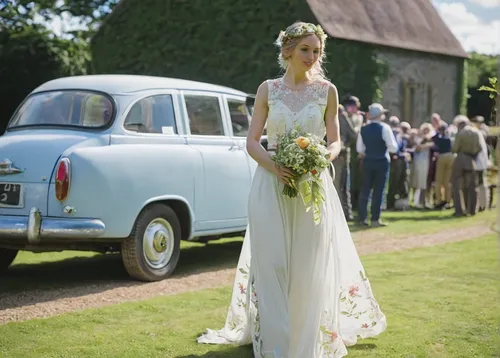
(11, 195)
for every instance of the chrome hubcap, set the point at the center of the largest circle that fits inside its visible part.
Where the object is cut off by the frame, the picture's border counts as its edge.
(158, 243)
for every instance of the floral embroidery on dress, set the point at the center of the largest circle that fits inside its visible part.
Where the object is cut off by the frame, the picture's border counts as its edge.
(350, 298)
(256, 324)
(329, 337)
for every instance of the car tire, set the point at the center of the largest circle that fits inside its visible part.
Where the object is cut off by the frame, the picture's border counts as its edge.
(7, 256)
(152, 251)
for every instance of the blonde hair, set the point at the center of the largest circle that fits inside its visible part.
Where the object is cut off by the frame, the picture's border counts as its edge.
(288, 40)
(425, 126)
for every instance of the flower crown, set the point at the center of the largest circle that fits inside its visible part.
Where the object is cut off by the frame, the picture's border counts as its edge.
(300, 31)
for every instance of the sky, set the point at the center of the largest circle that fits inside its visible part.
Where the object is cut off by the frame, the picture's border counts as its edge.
(476, 23)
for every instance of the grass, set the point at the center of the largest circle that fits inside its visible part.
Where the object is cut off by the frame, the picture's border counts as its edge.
(439, 301)
(67, 269)
(419, 222)
(494, 131)
(413, 222)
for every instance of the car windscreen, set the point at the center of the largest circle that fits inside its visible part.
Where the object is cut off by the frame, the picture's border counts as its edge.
(74, 108)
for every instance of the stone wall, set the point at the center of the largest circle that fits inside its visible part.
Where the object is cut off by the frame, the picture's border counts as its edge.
(420, 84)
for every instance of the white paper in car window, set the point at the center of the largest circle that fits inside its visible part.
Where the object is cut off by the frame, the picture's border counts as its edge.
(167, 130)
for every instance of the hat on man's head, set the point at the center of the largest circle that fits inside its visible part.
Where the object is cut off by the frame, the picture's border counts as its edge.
(376, 111)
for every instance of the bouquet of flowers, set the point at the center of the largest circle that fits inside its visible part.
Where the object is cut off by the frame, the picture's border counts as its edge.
(306, 155)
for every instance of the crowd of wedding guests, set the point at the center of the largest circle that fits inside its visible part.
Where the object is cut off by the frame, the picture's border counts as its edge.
(394, 166)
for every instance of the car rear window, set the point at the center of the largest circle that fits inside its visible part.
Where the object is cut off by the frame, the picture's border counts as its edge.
(65, 108)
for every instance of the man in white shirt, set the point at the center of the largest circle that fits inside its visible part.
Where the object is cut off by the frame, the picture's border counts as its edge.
(374, 144)
(481, 162)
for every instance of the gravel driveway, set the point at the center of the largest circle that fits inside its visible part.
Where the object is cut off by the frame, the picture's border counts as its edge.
(57, 288)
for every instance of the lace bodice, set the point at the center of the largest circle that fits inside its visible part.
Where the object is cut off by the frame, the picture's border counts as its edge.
(289, 107)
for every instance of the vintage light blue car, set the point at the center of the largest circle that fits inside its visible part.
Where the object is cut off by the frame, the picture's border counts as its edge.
(124, 163)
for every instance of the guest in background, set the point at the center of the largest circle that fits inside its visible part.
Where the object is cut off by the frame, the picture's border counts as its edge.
(374, 144)
(342, 163)
(478, 122)
(464, 178)
(436, 122)
(444, 164)
(420, 165)
(481, 163)
(352, 107)
(398, 174)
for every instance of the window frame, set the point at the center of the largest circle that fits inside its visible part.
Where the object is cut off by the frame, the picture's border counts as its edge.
(177, 114)
(244, 101)
(222, 110)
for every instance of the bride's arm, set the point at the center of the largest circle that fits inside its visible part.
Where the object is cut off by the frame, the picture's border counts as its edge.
(332, 122)
(254, 147)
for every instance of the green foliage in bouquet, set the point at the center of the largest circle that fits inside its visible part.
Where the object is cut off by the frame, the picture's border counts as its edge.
(307, 156)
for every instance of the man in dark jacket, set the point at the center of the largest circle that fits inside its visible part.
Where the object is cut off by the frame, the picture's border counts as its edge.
(398, 175)
(343, 161)
(355, 118)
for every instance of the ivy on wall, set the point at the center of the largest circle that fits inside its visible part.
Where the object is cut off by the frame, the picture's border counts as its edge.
(462, 96)
(223, 42)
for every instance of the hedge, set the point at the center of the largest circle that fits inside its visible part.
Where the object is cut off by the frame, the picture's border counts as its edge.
(224, 42)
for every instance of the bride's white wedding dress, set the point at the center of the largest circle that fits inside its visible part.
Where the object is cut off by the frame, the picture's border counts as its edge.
(300, 289)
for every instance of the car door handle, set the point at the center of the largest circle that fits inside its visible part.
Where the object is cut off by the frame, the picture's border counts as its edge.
(236, 147)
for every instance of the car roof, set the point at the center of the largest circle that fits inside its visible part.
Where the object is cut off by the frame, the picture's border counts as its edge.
(116, 84)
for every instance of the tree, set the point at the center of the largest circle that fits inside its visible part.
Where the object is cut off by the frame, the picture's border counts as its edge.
(21, 13)
(30, 54)
(481, 69)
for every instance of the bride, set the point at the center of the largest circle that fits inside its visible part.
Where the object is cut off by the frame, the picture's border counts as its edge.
(300, 289)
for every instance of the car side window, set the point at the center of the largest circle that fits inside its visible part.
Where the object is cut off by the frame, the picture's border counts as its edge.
(154, 114)
(240, 117)
(204, 115)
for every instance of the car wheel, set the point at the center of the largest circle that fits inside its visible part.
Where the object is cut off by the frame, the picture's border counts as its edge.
(7, 256)
(152, 251)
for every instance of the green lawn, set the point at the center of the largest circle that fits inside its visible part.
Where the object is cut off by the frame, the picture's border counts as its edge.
(440, 302)
(402, 224)
(75, 268)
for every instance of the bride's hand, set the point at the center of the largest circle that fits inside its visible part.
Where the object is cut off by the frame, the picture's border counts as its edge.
(284, 174)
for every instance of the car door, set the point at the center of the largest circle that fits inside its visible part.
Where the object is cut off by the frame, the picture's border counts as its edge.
(154, 154)
(239, 113)
(221, 195)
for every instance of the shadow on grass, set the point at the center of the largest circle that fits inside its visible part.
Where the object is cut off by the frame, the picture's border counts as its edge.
(229, 352)
(78, 276)
(362, 347)
(247, 351)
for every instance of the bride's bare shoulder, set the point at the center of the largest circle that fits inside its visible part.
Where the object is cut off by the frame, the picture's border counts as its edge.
(266, 87)
(262, 90)
(330, 85)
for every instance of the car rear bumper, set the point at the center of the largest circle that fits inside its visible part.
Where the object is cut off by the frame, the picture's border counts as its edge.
(35, 229)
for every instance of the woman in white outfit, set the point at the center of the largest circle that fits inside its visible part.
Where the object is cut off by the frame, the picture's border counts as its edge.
(300, 289)
(420, 166)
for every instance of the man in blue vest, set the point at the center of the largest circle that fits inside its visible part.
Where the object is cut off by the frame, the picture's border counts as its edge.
(374, 144)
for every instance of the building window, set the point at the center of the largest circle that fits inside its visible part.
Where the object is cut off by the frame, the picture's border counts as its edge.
(417, 102)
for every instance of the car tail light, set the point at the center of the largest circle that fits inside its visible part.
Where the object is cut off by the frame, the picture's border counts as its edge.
(63, 179)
